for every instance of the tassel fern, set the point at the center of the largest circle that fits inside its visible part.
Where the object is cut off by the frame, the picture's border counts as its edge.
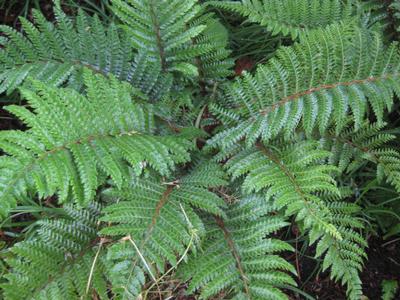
(141, 163)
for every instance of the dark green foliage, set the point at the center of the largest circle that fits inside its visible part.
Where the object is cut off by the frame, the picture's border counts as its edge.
(237, 256)
(312, 83)
(56, 263)
(73, 138)
(58, 53)
(290, 17)
(144, 164)
(352, 149)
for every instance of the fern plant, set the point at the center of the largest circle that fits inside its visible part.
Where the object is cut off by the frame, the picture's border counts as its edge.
(151, 166)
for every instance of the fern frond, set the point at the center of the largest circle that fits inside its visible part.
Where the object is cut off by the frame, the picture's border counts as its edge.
(294, 178)
(237, 257)
(290, 17)
(158, 223)
(175, 35)
(215, 64)
(352, 149)
(318, 81)
(73, 138)
(57, 262)
(344, 257)
(57, 53)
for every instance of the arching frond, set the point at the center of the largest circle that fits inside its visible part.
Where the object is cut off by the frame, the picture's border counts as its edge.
(237, 257)
(293, 178)
(321, 80)
(73, 138)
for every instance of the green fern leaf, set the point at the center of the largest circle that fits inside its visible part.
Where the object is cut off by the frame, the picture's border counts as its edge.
(71, 138)
(62, 261)
(315, 83)
(157, 223)
(290, 17)
(238, 257)
(176, 34)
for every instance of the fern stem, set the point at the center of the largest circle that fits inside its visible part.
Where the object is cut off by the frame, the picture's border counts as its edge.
(231, 244)
(157, 31)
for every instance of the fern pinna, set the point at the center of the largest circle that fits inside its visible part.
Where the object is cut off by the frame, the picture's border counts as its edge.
(143, 163)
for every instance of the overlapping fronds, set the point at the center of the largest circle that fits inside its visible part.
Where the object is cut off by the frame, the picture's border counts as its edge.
(57, 54)
(293, 178)
(176, 34)
(215, 64)
(158, 224)
(321, 80)
(237, 256)
(351, 150)
(60, 261)
(73, 138)
(290, 17)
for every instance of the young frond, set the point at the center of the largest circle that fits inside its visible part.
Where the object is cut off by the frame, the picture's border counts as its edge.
(352, 149)
(238, 257)
(176, 35)
(157, 223)
(60, 261)
(319, 81)
(290, 17)
(73, 138)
